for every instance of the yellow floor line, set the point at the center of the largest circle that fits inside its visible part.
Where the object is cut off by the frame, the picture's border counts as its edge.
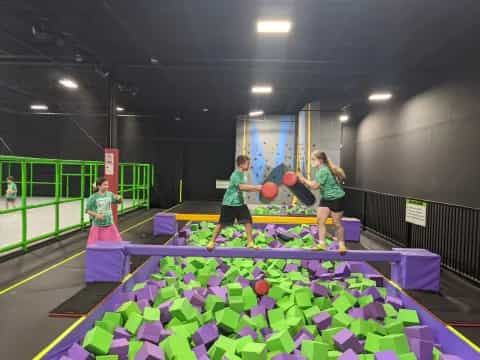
(40, 273)
(50, 346)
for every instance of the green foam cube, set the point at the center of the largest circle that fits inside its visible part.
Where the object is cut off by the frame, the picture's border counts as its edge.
(376, 327)
(175, 345)
(275, 316)
(185, 330)
(360, 327)
(236, 303)
(327, 265)
(97, 341)
(322, 302)
(107, 357)
(133, 347)
(294, 324)
(281, 341)
(249, 298)
(314, 350)
(260, 322)
(128, 308)
(310, 313)
(408, 356)
(138, 286)
(328, 334)
(366, 357)
(214, 303)
(241, 342)
(227, 319)
(394, 327)
(182, 309)
(285, 303)
(408, 317)
(151, 314)
(234, 289)
(333, 355)
(373, 342)
(395, 342)
(341, 319)
(276, 292)
(390, 310)
(221, 347)
(436, 353)
(254, 351)
(133, 323)
(365, 300)
(106, 325)
(303, 297)
(113, 317)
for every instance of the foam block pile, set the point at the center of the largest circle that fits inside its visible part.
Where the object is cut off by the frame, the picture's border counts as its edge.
(273, 236)
(273, 210)
(206, 308)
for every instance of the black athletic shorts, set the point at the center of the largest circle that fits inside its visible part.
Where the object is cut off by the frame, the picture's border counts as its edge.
(336, 205)
(228, 215)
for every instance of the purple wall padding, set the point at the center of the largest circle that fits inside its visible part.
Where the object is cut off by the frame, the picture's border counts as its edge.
(106, 262)
(165, 224)
(418, 269)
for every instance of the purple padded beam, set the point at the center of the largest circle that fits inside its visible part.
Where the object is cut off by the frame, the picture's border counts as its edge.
(354, 255)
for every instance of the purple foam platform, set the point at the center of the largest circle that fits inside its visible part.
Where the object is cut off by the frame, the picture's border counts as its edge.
(165, 224)
(418, 269)
(353, 228)
(106, 262)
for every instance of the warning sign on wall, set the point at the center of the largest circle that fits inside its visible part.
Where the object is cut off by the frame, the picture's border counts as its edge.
(416, 212)
(109, 164)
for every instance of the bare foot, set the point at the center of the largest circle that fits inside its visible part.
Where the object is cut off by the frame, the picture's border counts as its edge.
(211, 245)
(252, 246)
(342, 249)
(319, 247)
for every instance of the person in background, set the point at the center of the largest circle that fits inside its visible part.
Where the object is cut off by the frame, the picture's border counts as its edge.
(11, 193)
(233, 205)
(99, 207)
(328, 179)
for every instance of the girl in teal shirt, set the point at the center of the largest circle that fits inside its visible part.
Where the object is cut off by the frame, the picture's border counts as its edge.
(11, 194)
(328, 179)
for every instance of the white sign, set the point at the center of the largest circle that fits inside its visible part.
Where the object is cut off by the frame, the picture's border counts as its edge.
(416, 212)
(221, 184)
(109, 164)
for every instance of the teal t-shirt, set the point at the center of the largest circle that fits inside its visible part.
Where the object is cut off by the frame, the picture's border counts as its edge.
(330, 189)
(12, 194)
(102, 204)
(233, 196)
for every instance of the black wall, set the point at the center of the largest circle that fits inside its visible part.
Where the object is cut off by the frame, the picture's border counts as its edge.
(198, 150)
(426, 146)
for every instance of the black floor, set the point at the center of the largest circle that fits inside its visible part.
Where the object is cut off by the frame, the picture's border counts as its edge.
(26, 327)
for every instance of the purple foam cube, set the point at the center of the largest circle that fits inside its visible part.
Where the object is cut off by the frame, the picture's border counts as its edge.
(171, 274)
(290, 268)
(149, 351)
(257, 271)
(270, 229)
(64, 357)
(267, 302)
(374, 310)
(266, 332)
(207, 334)
(202, 291)
(377, 278)
(304, 263)
(374, 292)
(314, 230)
(242, 281)
(313, 265)
(189, 277)
(120, 347)
(326, 276)
(348, 355)
(78, 353)
(143, 303)
(247, 330)
(121, 333)
(321, 270)
(285, 356)
(423, 332)
(345, 340)
(322, 321)
(201, 352)
(158, 283)
(220, 239)
(302, 335)
(396, 302)
(150, 331)
(275, 244)
(224, 267)
(333, 246)
(258, 310)
(386, 355)
(215, 281)
(319, 290)
(218, 291)
(422, 348)
(197, 300)
(164, 307)
(357, 313)
(130, 296)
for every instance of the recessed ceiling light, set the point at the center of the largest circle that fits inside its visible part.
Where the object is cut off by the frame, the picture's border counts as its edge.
(177, 118)
(344, 118)
(38, 107)
(119, 108)
(262, 89)
(205, 109)
(255, 113)
(68, 83)
(384, 96)
(274, 26)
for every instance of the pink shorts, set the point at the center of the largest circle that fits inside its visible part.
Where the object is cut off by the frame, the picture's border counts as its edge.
(103, 233)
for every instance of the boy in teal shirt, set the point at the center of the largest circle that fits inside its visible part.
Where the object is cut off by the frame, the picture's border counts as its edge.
(11, 194)
(233, 204)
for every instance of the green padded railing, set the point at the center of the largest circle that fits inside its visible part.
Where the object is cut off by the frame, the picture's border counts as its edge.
(53, 183)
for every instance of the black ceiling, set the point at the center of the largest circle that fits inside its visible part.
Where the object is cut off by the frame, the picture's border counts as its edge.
(209, 54)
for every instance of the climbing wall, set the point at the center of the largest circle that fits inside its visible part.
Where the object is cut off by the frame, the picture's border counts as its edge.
(270, 142)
